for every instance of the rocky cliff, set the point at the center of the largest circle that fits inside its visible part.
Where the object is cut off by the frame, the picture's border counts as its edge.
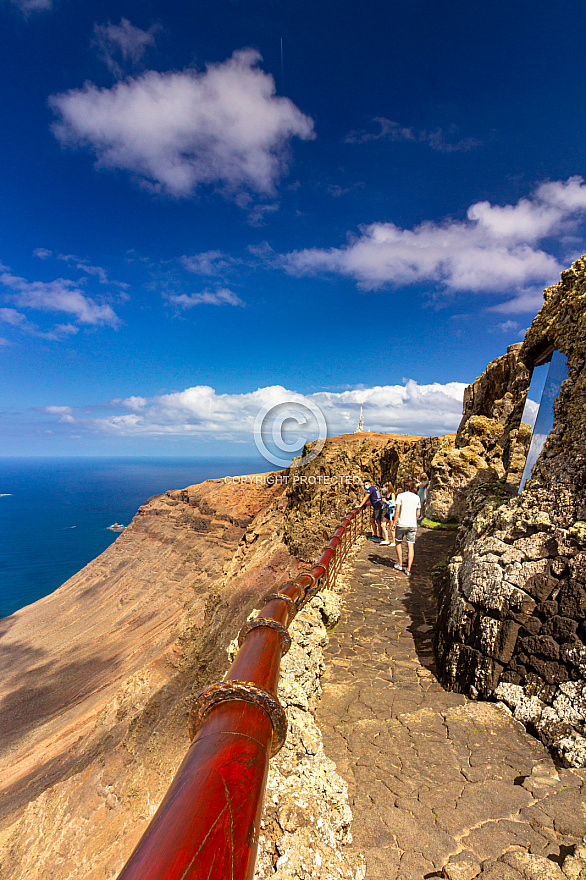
(97, 679)
(490, 444)
(513, 600)
(316, 502)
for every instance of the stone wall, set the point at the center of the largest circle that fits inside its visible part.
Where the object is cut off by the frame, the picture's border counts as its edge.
(513, 599)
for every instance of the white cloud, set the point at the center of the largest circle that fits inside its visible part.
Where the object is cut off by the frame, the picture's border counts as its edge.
(530, 412)
(220, 297)
(442, 140)
(60, 295)
(97, 271)
(494, 249)
(257, 216)
(508, 326)
(202, 413)
(29, 6)
(11, 316)
(122, 41)
(42, 253)
(523, 302)
(66, 329)
(56, 410)
(208, 263)
(17, 319)
(64, 413)
(178, 131)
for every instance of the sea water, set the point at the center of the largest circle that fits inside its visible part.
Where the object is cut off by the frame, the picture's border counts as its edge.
(55, 513)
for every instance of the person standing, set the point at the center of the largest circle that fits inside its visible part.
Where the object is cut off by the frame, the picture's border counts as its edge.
(376, 514)
(405, 523)
(389, 505)
(422, 488)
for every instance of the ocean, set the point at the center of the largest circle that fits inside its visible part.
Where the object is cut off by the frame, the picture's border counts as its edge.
(55, 513)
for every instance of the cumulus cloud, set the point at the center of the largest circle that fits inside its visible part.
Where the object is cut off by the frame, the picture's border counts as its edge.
(202, 413)
(442, 140)
(42, 253)
(123, 43)
(220, 297)
(61, 295)
(494, 249)
(178, 131)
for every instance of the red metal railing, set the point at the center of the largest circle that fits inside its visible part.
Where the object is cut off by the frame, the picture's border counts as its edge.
(207, 825)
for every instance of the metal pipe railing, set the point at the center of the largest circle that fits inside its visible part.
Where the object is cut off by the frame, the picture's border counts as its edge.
(207, 825)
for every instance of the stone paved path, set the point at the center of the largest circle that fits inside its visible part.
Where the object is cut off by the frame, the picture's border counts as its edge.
(440, 786)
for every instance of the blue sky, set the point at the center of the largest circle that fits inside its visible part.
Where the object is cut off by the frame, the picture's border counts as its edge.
(208, 209)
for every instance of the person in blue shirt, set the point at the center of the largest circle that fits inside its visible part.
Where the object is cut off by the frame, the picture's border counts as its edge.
(376, 514)
(388, 514)
(422, 490)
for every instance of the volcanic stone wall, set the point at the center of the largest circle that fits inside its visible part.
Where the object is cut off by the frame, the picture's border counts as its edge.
(490, 444)
(513, 599)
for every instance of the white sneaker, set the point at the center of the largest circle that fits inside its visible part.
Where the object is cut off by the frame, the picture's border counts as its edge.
(382, 543)
(393, 544)
(398, 567)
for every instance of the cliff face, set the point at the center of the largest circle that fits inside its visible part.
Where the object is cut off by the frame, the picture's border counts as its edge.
(490, 443)
(321, 492)
(97, 679)
(514, 598)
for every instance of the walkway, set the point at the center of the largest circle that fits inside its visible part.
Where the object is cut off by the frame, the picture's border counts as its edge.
(440, 786)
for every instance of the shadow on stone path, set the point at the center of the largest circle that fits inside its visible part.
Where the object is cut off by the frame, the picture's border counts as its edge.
(440, 786)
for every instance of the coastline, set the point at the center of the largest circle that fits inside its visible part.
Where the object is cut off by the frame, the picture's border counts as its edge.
(98, 677)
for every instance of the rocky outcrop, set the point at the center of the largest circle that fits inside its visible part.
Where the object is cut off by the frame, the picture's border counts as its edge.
(419, 458)
(513, 598)
(491, 442)
(321, 492)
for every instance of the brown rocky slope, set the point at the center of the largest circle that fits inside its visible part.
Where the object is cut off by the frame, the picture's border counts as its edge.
(98, 678)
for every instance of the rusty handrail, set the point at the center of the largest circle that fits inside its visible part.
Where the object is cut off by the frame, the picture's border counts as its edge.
(207, 825)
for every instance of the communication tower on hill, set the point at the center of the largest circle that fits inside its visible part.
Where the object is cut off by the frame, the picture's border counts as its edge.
(360, 427)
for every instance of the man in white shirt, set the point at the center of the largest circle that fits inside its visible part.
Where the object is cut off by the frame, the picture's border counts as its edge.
(405, 522)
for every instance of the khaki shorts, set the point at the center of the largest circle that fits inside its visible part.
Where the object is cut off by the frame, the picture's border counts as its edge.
(405, 532)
